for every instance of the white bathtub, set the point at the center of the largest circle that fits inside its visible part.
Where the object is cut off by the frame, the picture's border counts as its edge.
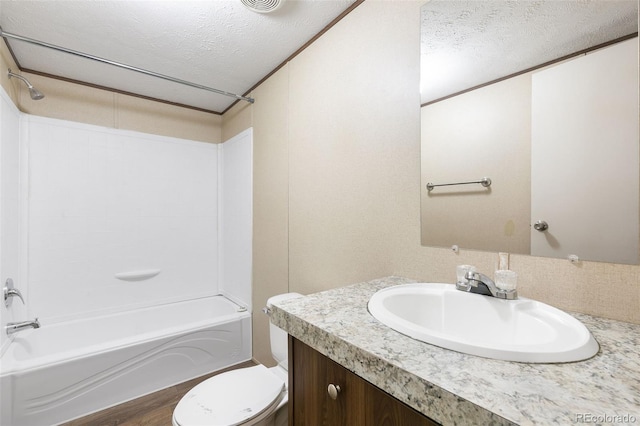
(70, 369)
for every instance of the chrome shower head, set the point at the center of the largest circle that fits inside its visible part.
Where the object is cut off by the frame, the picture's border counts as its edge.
(33, 92)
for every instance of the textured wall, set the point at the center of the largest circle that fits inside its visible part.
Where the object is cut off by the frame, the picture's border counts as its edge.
(9, 85)
(353, 125)
(83, 104)
(485, 132)
(270, 202)
(349, 120)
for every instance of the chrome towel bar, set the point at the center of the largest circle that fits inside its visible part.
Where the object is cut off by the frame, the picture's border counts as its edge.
(485, 181)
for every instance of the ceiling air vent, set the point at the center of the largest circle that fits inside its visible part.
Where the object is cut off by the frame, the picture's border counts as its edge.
(263, 6)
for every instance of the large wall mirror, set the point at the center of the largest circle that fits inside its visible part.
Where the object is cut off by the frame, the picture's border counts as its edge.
(530, 108)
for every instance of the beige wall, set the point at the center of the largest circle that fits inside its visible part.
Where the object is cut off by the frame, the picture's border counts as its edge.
(237, 119)
(6, 61)
(351, 120)
(485, 132)
(270, 202)
(353, 123)
(337, 173)
(85, 104)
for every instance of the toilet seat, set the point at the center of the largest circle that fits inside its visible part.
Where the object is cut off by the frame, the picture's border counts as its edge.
(231, 398)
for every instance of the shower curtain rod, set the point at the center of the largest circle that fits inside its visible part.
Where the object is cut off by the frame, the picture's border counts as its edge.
(118, 64)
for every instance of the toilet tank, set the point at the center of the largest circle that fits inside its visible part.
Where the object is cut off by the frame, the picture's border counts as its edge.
(277, 335)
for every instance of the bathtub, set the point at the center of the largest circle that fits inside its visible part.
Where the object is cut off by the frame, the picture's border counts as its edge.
(70, 369)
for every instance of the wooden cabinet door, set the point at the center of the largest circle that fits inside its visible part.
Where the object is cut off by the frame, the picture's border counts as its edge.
(310, 374)
(358, 403)
(381, 409)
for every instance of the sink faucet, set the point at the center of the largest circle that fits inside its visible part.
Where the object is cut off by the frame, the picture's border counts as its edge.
(14, 327)
(475, 282)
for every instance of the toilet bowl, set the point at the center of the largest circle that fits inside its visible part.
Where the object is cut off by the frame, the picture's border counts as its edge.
(255, 396)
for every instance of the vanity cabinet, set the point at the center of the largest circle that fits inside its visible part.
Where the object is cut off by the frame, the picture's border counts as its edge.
(322, 392)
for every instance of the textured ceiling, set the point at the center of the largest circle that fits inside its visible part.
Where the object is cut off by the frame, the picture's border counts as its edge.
(221, 44)
(215, 43)
(468, 43)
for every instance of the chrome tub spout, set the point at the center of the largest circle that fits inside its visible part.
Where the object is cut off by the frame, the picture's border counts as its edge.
(14, 327)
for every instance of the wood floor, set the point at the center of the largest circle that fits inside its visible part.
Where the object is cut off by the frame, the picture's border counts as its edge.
(154, 409)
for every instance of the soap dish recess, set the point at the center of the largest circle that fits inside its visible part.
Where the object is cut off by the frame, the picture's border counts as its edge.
(140, 275)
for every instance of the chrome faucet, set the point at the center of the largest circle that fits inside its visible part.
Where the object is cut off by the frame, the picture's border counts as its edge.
(475, 282)
(14, 327)
(10, 292)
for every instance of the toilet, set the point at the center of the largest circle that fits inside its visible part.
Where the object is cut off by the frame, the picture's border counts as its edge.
(255, 396)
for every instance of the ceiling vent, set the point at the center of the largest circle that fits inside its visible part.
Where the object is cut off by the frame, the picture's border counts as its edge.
(263, 6)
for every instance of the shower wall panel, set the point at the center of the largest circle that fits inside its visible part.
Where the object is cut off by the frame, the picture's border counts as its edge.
(235, 175)
(9, 210)
(103, 202)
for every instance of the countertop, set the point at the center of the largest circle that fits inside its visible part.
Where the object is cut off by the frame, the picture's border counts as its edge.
(458, 389)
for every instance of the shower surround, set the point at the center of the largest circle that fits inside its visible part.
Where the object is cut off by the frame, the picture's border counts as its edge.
(123, 234)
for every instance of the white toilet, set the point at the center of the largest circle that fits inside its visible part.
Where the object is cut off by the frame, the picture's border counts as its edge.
(255, 396)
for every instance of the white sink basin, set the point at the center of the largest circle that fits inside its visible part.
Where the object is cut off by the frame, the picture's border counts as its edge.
(520, 330)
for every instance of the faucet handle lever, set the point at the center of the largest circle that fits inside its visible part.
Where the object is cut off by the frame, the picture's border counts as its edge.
(10, 292)
(472, 278)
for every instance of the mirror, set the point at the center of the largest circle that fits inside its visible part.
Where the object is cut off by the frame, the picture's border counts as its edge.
(541, 98)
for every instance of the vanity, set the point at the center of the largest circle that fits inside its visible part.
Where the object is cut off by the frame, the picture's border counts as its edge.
(335, 342)
(346, 400)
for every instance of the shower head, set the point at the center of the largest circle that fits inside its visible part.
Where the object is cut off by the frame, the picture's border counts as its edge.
(33, 92)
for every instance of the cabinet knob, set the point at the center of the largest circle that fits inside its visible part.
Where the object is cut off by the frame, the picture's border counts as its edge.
(333, 390)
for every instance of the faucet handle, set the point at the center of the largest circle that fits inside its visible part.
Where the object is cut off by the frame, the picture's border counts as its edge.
(462, 271)
(9, 292)
(472, 277)
(506, 280)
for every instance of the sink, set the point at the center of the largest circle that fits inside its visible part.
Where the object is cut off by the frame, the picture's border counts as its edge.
(521, 330)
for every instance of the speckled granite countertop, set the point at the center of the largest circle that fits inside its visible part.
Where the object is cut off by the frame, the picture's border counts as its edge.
(457, 389)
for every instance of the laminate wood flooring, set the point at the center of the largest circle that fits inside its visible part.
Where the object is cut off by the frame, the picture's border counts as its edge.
(154, 409)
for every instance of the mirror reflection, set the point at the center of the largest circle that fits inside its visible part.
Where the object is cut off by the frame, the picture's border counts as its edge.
(542, 99)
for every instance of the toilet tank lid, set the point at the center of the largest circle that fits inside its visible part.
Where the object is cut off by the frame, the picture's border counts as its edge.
(230, 398)
(281, 297)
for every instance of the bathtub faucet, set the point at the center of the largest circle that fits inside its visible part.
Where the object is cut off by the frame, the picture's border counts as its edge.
(10, 291)
(14, 327)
